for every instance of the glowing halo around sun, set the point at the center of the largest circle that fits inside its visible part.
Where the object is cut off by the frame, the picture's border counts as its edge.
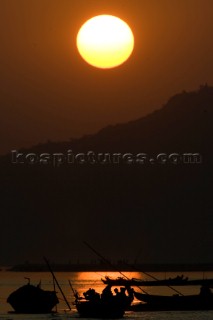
(105, 41)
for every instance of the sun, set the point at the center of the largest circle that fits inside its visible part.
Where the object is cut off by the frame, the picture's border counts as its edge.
(105, 41)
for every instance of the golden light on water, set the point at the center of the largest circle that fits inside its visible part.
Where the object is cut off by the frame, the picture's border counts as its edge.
(105, 41)
(97, 276)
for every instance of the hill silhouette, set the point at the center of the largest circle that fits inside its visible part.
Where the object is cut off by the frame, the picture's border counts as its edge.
(153, 212)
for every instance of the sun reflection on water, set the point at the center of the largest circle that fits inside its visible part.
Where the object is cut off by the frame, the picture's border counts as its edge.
(95, 276)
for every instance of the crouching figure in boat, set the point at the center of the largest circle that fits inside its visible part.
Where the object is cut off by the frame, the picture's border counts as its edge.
(106, 305)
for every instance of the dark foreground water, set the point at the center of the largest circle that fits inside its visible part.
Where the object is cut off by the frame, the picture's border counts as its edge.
(82, 281)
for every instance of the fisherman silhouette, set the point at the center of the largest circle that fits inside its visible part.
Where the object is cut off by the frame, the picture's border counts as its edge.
(107, 293)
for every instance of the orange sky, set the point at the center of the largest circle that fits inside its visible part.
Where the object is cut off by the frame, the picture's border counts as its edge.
(48, 92)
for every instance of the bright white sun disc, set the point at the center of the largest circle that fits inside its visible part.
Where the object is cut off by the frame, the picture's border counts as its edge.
(105, 41)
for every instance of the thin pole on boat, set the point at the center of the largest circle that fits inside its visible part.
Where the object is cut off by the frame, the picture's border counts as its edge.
(109, 263)
(73, 290)
(56, 308)
(56, 281)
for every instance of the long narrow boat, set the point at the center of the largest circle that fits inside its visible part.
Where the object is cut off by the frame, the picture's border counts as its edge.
(31, 299)
(202, 301)
(178, 281)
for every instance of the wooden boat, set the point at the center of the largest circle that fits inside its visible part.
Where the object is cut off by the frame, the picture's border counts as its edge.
(32, 299)
(202, 301)
(106, 305)
(177, 281)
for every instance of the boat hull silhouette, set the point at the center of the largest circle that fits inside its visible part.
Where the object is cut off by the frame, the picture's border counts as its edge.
(178, 281)
(101, 309)
(32, 299)
(175, 302)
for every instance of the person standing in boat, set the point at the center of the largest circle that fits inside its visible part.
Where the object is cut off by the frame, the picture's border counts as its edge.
(130, 292)
(122, 297)
(107, 293)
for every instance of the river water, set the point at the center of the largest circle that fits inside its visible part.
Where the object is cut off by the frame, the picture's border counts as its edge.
(82, 281)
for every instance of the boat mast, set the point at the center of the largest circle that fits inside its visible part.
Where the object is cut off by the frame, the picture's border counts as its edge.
(56, 281)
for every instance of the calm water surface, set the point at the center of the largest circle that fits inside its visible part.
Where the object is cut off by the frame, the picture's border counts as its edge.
(82, 281)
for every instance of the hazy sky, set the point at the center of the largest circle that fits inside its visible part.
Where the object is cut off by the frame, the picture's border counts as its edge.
(48, 92)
